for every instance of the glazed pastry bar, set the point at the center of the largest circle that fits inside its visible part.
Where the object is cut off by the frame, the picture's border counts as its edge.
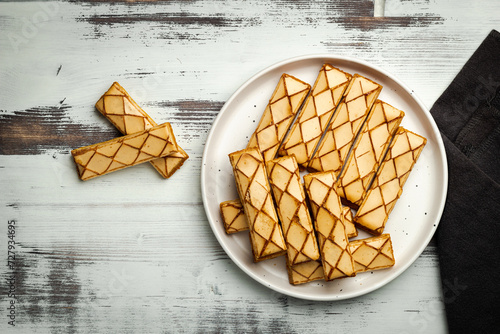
(292, 210)
(332, 150)
(329, 222)
(279, 114)
(305, 272)
(389, 181)
(255, 195)
(372, 253)
(319, 107)
(126, 151)
(368, 152)
(233, 216)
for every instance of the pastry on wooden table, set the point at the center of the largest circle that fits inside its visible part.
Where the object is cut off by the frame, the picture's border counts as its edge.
(372, 253)
(367, 152)
(333, 148)
(305, 272)
(318, 109)
(126, 151)
(255, 195)
(279, 114)
(388, 183)
(328, 218)
(233, 216)
(292, 209)
(126, 115)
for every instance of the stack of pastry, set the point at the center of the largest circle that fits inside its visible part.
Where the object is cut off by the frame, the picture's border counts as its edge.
(353, 155)
(144, 140)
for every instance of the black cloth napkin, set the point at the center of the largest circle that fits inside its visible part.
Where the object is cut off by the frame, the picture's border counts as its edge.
(468, 237)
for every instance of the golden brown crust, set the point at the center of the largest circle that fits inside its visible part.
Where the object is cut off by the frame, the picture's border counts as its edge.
(367, 153)
(373, 253)
(350, 227)
(329, 221)
(279, 114)
(305, 272)
(255, 196)
(233, 216)
(388, 183)
(314, 117)
(130, 150)
(292, 210)
(333, 148)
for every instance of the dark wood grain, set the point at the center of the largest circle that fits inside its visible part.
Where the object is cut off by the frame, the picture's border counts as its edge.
(36, 130)
(178, 19)
(376, 23)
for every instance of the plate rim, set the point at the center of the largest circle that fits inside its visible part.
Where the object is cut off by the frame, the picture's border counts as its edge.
(325, 57)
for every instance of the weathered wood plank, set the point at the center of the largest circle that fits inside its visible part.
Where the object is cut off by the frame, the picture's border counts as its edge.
(132, 252)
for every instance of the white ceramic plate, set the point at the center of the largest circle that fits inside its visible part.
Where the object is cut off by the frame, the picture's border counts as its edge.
(411, 224)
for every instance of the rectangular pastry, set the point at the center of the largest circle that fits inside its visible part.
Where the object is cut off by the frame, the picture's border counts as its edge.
(126, 115)
(319, 107)
(279, 114)
(305, 272)
(126, 151)
(367, 152)
(255, 195)
(328, 218)
(372, 253)
(233, 216)
(292, 210)
(333, 148)
(350, 227)
(388, 183)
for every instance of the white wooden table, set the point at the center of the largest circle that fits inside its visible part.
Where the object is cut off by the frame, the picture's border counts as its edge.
(131, 252)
